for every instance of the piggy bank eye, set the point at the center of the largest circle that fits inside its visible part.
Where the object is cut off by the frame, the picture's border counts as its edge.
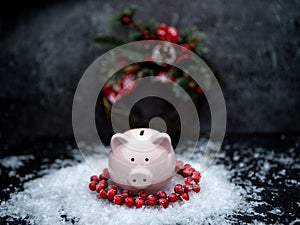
(146, 159)
(132, 159)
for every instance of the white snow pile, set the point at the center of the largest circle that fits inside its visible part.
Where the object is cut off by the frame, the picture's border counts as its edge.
(62, 197)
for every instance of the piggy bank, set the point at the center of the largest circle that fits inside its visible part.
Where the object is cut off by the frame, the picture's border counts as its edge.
(141, 160)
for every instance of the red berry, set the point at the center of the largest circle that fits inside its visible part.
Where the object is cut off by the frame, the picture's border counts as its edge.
(189, 180)
(103, 176)
(111, 194)
(161, 194)
(103, 193)
(167, 33)
(92, 186)
(187, 172)
(172, 197)
(118, 199)
(151, 200)
(126, 20)
(129, 201)
(187, 46)
(187, 187)
(143, 195)
(139, 202)
(192, 46)
(163, 202)
(178, 188)
(185, 196)
(146, 35)
(199, 90)
(94, 178)
(103, 183)
(196, 178)
(125, 193)
(196, 188)
(99, 188)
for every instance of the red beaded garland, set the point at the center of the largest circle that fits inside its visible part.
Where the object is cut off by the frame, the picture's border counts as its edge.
(192, 179)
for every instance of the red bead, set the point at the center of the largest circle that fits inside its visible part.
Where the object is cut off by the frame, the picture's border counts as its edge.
(129, 201)
(92, 186)
(187, 187)
(99, 188)
(118, 199)
(113, 187)
(161, 194)
(143, 195)
(151, 200)
(126, 20)
(185, 196)
(187, 172)
(192, 169)
(103, 183)
(186, 166)
(103, 193)
(94, 178)
(178, 188)
(139, 202)
(189, 180)
(125, 193)
(103, 176)
(105, 172)
(163, 202)
(196, 178)
(179, 166)
(172, 197)
(196, 188)
(111, 194)
(197, 173)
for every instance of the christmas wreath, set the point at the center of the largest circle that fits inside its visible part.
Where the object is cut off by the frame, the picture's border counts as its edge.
(190, 38)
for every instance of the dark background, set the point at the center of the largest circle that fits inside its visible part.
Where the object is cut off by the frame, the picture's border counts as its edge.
(47, 45)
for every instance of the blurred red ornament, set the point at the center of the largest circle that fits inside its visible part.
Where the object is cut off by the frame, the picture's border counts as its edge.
(126, 20)
(167, 33)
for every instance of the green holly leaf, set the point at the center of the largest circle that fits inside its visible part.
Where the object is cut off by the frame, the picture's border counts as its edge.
(135, 35)
(109, 41)
(183, 82)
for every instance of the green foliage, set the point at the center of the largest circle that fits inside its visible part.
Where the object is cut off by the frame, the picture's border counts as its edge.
(109, 41)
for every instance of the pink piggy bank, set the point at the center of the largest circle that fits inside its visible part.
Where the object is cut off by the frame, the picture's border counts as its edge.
(141, 160)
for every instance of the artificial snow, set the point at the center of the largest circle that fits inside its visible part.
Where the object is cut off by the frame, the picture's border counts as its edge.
(62, 196)
(239, 187)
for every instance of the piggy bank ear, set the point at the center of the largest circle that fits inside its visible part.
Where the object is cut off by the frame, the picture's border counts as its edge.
(117, 140)
(163, 140)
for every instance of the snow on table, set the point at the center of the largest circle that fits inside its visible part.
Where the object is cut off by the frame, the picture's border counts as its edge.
(239, 186)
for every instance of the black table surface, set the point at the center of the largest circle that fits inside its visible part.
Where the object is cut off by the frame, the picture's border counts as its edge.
(243, 155)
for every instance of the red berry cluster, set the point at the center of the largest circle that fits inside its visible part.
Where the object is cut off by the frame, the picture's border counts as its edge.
(192, 179)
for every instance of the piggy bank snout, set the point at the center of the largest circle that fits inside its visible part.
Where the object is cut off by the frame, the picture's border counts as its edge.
(140, 178)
